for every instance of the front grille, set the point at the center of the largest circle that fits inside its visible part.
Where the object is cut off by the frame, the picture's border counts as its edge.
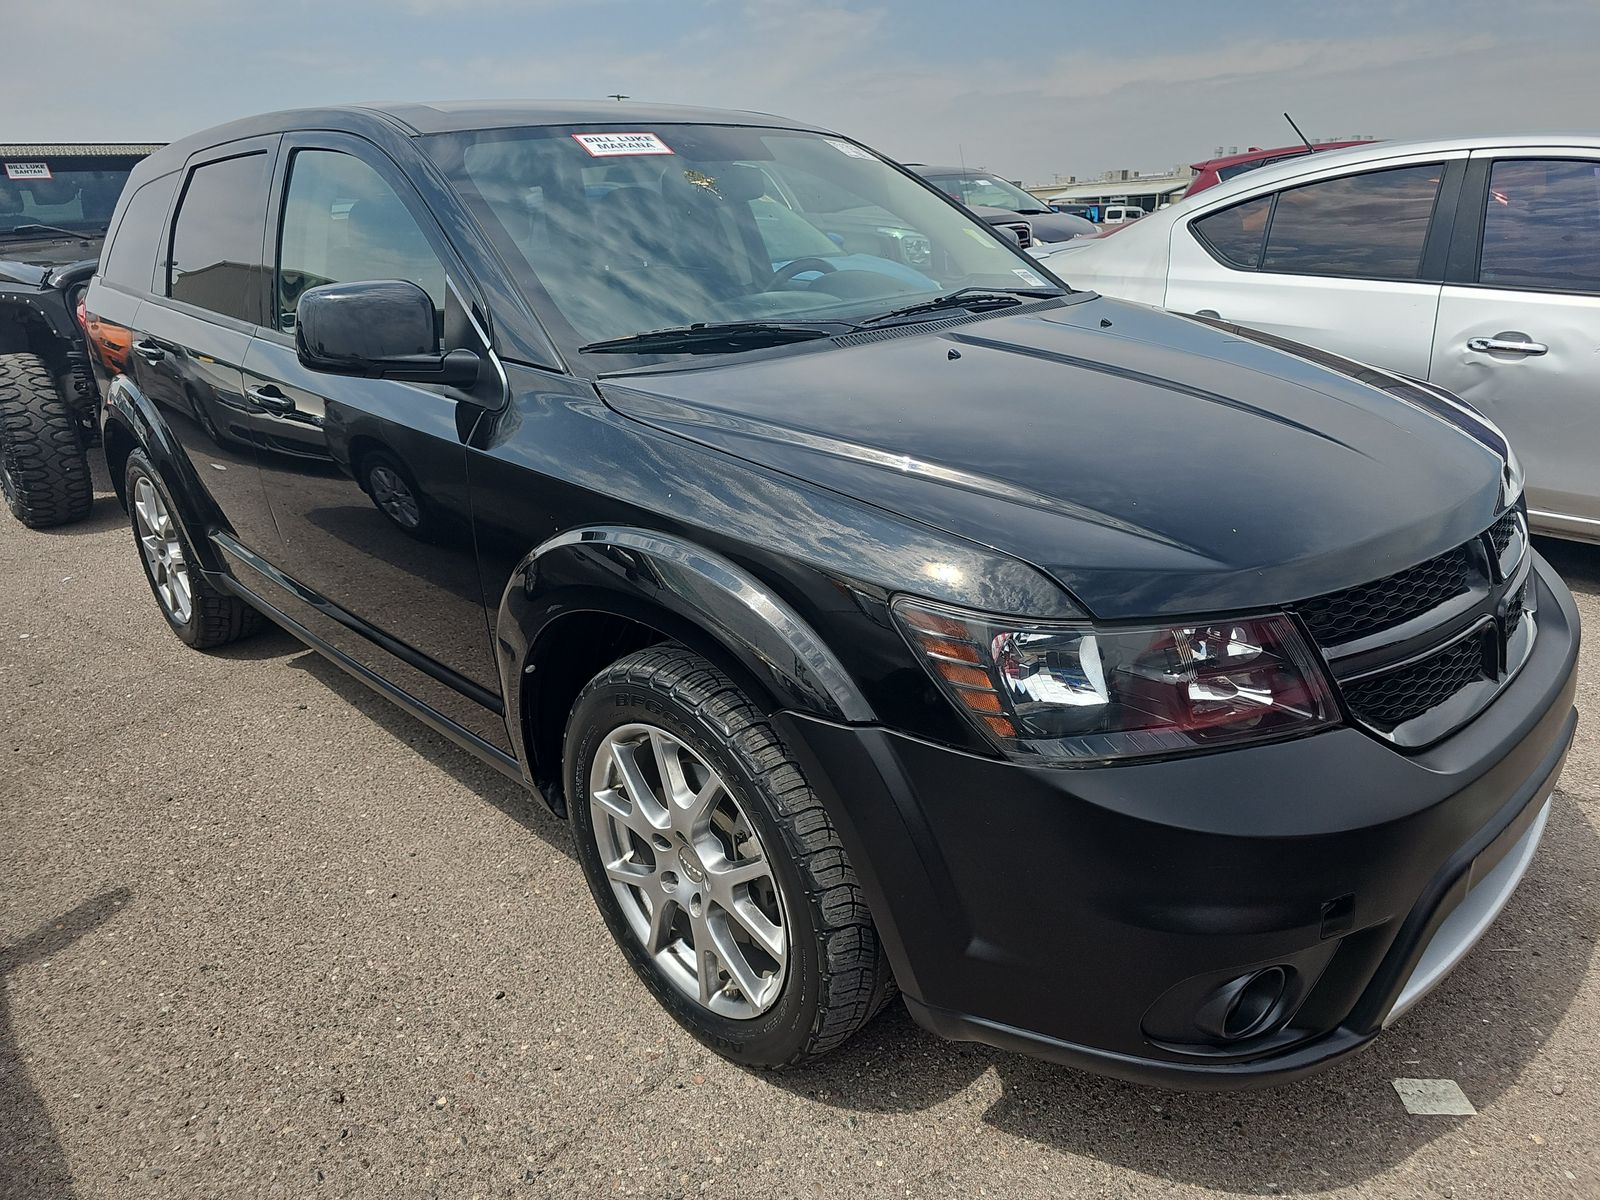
(1515, 609)
(1373, 607)
(1431, 659)
(1387, 701)
(1502, 531)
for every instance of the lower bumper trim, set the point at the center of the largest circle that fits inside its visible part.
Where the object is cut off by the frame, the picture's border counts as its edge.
(1210, 1077)
(1470, 919)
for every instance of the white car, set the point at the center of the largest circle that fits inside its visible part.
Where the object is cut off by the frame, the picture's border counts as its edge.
(1473, 264)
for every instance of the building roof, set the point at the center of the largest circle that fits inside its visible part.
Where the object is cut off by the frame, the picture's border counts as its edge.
(1146, 185)
(77, 149)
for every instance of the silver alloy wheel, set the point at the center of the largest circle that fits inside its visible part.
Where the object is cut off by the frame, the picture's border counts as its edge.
(689, 871)
(390, 493)
(163, 551)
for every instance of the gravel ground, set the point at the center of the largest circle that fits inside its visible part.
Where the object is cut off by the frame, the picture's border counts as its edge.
(264, 935)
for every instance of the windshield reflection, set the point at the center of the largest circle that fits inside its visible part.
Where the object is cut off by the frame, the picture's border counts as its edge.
(686, 224)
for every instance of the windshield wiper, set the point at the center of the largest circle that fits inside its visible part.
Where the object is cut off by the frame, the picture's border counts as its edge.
(973, 298)
(71, 233)
(727, 337)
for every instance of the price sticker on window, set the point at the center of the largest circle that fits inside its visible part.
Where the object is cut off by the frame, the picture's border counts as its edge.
(610, 145)
(847, 148)
(28, 170)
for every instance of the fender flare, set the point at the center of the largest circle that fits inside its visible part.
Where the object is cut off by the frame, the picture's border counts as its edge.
(131, 411)
(698, 596)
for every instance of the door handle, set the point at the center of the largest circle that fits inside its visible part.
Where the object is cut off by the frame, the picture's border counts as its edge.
(268, 398)
(149, 351)
(1500, 345)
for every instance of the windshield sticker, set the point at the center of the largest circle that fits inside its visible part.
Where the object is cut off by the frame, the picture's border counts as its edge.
(1028, 277)
(847, 148)
(34, 170)
(609, 145)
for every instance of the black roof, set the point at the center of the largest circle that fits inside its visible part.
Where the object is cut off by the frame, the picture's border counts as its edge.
(451, 115)
(379, 121)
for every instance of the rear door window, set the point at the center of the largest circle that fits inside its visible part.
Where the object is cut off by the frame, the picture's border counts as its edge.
(1542, 225)
(1369, 226)
(216, 237)
(131, 260)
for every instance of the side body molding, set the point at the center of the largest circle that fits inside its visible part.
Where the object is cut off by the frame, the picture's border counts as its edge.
(687, 591)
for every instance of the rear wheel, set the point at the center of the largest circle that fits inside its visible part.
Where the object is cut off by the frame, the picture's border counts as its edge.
(202, 615)
(44, 472)
(714, 864)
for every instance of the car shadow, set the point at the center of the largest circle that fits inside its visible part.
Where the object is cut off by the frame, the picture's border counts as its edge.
(1335, 1129)
(31, 1159)
(511, 798)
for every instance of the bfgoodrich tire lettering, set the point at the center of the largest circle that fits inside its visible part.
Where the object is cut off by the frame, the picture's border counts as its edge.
(44, 472)
(835, 978)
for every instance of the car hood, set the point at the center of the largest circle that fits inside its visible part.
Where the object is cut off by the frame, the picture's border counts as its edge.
(1151, 464)
(1059, 227)
(48, 252)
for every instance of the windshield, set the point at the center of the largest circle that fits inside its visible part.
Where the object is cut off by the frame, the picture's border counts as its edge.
(625, 232)
(986, 191)
(74, 195)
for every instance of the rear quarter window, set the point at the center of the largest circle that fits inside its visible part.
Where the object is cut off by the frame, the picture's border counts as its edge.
(1236, 234)
(130, 260)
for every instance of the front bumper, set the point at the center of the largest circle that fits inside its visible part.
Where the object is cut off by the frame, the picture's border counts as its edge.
(1086, 914)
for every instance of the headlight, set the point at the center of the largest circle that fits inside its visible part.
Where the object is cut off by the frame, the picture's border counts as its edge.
(1076, 693)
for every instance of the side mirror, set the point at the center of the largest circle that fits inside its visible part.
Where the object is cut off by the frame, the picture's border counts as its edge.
(381, 329)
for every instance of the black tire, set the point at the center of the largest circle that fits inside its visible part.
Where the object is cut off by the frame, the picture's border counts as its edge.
(215, 617)
(837, 979)
(44, 470)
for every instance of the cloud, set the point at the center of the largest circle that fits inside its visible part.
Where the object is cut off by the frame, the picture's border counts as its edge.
(1045, 92)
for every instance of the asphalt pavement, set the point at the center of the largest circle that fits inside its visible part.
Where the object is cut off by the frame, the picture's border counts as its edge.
(264, 935)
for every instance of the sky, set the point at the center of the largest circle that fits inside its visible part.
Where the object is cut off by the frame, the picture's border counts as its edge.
(1029, 89)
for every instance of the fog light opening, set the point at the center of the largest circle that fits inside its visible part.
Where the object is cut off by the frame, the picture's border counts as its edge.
(1245, 1007)
(1255, 1004)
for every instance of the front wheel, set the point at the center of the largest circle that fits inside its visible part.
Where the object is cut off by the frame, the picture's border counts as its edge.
(714, 864)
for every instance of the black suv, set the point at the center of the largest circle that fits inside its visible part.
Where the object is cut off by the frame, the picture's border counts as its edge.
(1123, 690)
(56, 203)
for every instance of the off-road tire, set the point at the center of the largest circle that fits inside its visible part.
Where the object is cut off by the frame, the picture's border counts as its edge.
(217, 617)
(46, 470)
(838, 978)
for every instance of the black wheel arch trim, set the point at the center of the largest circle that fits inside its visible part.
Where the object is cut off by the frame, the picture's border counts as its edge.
(129, 412)
(685, 592)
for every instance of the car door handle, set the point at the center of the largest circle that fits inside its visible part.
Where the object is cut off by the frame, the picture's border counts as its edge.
(1494, 345)
(269, 399)
(149, 351)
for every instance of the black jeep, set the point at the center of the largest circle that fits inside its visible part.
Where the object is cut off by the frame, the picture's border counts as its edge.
(56, 203)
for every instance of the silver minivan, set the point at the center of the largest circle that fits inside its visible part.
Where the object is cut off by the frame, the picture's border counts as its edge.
(1472, 263)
